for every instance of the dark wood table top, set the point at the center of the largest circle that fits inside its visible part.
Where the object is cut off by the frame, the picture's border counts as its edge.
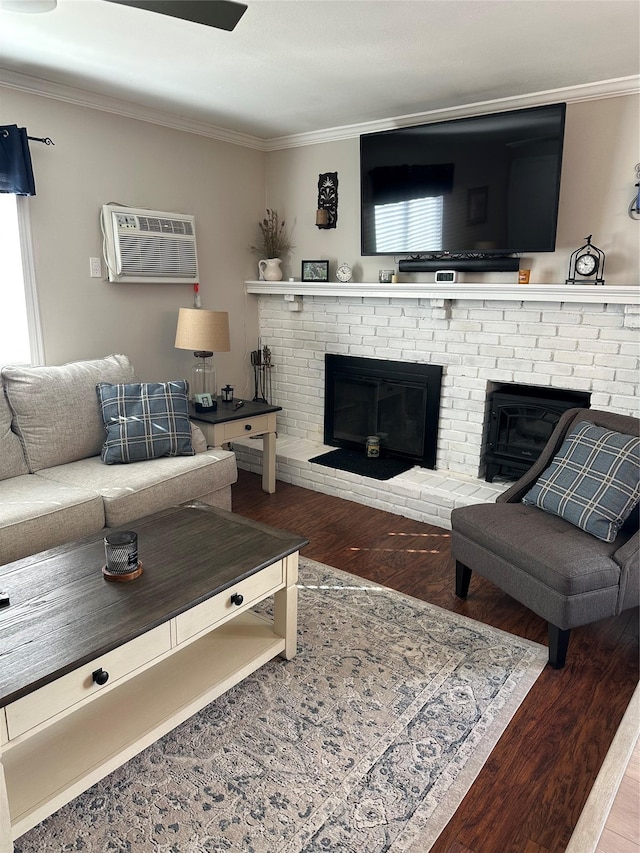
(63, 613)
(228, 411)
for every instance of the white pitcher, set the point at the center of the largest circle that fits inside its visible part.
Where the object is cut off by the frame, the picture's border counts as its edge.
(270, 269)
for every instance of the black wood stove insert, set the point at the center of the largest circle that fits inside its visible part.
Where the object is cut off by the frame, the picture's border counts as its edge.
(521, 420)
(395, 400)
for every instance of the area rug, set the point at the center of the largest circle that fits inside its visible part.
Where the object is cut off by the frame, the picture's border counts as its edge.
(357, 462)
(365, 742)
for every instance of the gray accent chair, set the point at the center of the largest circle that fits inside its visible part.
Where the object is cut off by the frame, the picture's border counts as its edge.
(565, 575)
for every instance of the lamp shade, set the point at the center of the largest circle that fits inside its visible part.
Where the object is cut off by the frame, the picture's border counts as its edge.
(200, 330)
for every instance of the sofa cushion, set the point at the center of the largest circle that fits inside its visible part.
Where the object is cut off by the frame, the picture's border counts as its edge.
(132, 491)
(38, 514)
(545, 547)
(12, 461)
(592, 482)
(145, 420)
(55, 409)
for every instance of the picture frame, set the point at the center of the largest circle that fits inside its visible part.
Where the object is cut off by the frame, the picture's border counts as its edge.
(477, 199)
(315, 271)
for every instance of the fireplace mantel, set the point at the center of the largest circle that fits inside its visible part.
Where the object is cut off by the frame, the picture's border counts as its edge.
(585, 293)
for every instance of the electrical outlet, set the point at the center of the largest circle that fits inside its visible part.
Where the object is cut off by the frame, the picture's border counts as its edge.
(95, 267)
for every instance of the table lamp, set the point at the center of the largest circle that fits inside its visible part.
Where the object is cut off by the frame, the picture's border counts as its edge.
(204, 332)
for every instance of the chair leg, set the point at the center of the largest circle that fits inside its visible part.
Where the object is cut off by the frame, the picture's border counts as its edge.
(558, 644)
(463, 577)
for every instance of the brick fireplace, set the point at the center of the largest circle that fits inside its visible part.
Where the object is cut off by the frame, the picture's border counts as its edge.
(574, 342)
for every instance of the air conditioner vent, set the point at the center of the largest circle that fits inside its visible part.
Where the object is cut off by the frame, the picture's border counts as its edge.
(147, 246)
(165, 226)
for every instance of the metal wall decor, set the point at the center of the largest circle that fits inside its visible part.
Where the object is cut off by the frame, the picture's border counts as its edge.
(634, 207)
(327, 200)
(587, 262)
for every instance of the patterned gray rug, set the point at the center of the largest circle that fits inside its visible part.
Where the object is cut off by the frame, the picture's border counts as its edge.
(365, 742)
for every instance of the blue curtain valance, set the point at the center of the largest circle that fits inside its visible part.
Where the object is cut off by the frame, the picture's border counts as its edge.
(16, 173)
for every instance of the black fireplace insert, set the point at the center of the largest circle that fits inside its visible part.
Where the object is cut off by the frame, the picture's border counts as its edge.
(521, 420)
(395, 400)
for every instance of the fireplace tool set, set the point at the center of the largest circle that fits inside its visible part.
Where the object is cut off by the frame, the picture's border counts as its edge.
(261, 363)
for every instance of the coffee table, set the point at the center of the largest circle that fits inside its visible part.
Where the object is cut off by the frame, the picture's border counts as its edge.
(92, 672)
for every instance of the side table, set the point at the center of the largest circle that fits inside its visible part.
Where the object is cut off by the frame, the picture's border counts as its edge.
(252, 418)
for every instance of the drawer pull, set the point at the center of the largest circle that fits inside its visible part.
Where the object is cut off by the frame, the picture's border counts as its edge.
(237, 599)
(247, 427)
(100, 676)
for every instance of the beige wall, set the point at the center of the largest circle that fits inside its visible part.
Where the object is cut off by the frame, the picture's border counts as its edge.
(99, 157)
(600, 153)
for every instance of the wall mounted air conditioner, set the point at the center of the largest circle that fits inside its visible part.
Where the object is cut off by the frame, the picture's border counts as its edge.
(148, 246)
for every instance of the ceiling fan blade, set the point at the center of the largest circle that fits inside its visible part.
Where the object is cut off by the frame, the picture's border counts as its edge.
(222, 14)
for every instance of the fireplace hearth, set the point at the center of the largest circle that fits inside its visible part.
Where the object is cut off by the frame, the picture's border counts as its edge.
(521, 420)
(397, 401)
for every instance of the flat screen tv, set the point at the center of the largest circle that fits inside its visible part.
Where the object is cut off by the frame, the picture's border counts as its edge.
(478, 186)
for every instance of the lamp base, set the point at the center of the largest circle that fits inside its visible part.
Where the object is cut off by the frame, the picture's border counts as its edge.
(203, 376)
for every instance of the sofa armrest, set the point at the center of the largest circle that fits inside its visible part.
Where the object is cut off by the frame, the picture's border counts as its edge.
(197, 438)
(628, 558)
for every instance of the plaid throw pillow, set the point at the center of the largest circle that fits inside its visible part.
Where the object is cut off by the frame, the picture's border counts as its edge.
(145, 420)
(593, 482)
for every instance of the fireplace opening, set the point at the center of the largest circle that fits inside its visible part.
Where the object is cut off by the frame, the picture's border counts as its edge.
(520, 422)
(397, 401)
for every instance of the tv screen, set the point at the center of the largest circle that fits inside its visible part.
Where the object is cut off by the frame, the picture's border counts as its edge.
(482, 185)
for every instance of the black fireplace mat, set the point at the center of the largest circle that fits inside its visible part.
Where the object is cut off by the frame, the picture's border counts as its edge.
(357, 462)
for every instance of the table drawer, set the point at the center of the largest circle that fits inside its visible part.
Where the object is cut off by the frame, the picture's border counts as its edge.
(215, 609)
(248, 426)
(45, 703)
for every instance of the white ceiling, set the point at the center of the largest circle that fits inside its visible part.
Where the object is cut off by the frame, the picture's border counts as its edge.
(300, 66)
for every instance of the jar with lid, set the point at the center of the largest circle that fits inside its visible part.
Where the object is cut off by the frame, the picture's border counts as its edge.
(373, 446)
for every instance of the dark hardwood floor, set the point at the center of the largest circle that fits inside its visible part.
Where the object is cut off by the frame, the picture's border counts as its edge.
(529, 795)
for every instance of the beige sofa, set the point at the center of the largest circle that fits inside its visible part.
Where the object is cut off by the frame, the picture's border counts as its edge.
(54, 487)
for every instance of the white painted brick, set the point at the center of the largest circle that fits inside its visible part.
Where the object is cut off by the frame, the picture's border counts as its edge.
(522, 316)
(482, 343)
(485, 315)
(624, 362)
(561, 317)
(558, 343)
(526, 379)
(462, 370)
(559, 370)
(518, 340)
(537, 329)
(461, 348)
(481, 361)
(626, 405)
(630, 377)
(580, 357)
(500, 328)
(604, 374)
(465, 326)
(602, 320)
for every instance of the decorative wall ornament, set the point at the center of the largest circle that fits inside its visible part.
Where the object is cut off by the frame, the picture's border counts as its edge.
(327, 212)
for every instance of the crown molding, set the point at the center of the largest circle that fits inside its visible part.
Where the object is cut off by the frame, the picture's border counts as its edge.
(569, 94)
(81, 97)
(128, 109)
